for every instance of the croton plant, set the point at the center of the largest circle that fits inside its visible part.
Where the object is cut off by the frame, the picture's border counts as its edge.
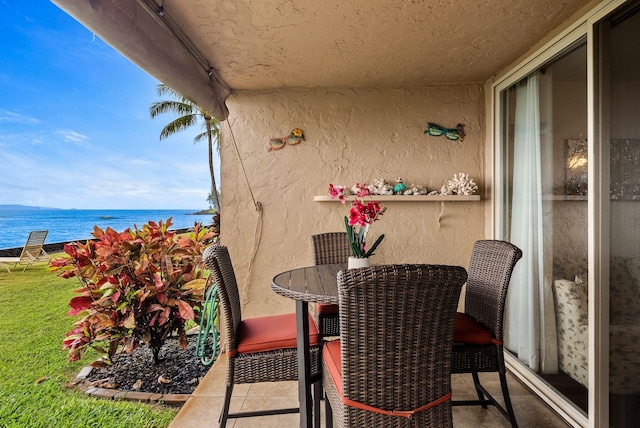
(140, 285)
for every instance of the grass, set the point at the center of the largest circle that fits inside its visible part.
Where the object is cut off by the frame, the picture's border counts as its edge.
(34, 368)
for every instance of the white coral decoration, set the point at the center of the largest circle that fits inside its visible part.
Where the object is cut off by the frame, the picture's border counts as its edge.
(416, 189)
(380, 187)
(446, 190)
(461, 184)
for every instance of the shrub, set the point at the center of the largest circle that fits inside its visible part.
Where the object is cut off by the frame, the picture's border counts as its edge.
(139, 285)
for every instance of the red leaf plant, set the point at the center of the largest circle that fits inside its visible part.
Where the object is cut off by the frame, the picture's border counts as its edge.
(139, 285)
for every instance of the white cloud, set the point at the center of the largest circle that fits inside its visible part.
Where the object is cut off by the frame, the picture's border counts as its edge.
(72, 136)
(13, 117)
(105, 154)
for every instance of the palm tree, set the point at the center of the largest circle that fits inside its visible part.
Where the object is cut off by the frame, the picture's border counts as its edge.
(189, 115)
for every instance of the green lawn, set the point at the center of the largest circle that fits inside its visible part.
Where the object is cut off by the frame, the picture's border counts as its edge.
(34, 368)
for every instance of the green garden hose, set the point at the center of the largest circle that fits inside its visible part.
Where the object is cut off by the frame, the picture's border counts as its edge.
(208, 326)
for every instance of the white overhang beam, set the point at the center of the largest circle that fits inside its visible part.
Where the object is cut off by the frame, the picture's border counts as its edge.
(143, 33)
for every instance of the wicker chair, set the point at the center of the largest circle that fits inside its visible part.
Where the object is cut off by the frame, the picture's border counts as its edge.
(259, 349)
(392, 364)
(478, 336)
(329, 248)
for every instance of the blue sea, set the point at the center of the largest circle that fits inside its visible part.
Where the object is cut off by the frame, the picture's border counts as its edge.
(77, 225)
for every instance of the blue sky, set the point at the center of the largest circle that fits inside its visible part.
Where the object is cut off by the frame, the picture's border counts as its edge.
(75, 130)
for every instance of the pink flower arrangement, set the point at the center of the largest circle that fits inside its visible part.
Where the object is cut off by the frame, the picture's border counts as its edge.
(362, 213)
(337, 192)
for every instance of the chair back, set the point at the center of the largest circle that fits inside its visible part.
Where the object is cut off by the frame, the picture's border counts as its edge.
(396, 331)
(216, 257)
(490, 269)
(33, 248)
(330, 248)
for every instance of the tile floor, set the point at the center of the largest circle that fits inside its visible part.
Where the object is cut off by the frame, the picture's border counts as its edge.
(203, 407)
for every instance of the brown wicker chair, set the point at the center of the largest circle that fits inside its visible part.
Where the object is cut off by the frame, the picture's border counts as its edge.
(478, 336)
(392, 364)
(261, 349)
(329, 248)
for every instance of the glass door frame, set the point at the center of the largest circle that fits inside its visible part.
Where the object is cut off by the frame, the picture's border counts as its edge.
(585, 27)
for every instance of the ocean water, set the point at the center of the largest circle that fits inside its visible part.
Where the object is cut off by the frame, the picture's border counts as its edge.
(77, 225)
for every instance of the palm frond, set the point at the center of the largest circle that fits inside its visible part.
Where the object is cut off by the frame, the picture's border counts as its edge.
(163, 90)
(177, 125)
(169, 106)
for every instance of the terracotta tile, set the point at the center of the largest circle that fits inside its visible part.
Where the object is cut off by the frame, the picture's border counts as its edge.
(534, 413)
(260, 403)
(491, 381)
(460, 386)
(203, 412)
(273, 389)
(203, 408)
(477, 417)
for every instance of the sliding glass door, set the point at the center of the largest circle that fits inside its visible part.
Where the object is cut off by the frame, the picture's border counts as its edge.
(619, 95)
(544, 211)
(568, 188)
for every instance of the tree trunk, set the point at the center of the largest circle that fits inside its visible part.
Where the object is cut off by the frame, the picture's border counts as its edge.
(214, 188)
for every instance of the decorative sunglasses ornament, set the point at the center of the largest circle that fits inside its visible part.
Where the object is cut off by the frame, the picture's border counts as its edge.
(295, 137)
(453, 134)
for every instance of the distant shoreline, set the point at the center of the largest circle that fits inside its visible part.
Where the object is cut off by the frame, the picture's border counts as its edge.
(72, 225)
(17, 207)
(59, 246)
(205, 212)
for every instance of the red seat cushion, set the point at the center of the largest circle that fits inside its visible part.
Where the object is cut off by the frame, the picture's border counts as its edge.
(333, 360)
(272, 332)
(326, 308)
(468, 330)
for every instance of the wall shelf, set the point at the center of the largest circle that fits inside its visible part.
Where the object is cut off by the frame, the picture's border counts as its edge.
(408, 198)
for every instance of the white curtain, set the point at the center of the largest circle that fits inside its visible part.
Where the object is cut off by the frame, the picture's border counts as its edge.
(523, 321)
(548, 329)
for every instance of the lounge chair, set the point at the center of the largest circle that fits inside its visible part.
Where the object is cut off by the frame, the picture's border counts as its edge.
(32, 251)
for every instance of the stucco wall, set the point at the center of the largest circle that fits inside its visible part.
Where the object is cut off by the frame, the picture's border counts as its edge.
(352, 135)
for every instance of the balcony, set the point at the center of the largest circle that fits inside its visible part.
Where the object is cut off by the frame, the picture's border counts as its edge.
(203, 407)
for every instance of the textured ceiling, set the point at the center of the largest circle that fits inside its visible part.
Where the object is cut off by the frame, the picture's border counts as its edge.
(264, 44)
